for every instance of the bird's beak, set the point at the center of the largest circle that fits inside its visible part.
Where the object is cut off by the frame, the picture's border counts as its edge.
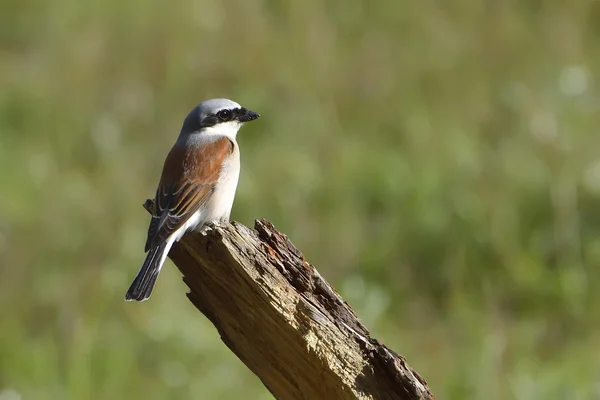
(249, 116)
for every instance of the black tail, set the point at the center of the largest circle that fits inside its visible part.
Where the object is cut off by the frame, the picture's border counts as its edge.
(141, 287)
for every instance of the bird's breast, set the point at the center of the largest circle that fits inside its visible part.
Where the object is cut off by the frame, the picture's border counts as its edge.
(221, 202)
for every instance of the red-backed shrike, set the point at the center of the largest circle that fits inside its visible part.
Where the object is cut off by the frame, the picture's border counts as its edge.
(197, 185)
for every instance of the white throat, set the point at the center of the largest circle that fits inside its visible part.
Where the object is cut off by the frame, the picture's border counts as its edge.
(229, 129)
(225, 129)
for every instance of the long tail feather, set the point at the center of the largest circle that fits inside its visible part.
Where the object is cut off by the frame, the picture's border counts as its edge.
(142, 285)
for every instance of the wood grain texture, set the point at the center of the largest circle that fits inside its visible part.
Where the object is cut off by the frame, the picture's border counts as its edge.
(284, 321)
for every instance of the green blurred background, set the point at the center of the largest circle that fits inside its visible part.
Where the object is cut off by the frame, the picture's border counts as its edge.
(438, 162)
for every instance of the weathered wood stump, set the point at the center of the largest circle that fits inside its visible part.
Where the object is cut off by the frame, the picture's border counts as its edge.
(284, 321)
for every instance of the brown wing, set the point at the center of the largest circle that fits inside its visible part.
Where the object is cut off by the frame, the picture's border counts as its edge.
(188, 178)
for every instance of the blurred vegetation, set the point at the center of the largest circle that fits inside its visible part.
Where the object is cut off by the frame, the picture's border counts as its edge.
(438, 161)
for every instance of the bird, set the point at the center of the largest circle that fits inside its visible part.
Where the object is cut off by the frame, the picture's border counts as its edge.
(197, 185)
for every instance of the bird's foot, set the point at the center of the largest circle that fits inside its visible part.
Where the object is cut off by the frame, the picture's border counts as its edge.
(212, 225)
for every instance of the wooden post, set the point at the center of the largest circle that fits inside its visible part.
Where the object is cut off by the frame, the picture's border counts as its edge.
(284, 321)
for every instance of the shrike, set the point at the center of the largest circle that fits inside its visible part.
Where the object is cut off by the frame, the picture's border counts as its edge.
(197, 186)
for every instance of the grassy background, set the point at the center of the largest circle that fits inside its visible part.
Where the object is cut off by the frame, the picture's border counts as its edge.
(438, 161)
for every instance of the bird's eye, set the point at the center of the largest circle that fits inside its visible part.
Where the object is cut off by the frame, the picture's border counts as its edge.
(224, 115)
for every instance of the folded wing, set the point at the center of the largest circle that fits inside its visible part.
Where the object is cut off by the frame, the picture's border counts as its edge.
(188, 179)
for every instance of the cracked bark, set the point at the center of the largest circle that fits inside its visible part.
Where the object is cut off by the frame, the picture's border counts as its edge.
(284, 321)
